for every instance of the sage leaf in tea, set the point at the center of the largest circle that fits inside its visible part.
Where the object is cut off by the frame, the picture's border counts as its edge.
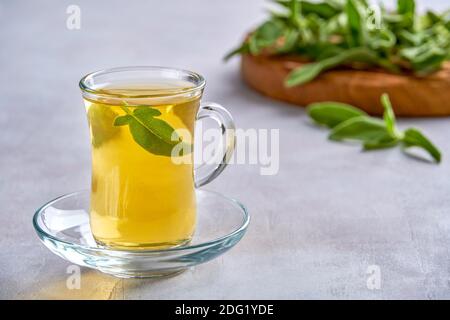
(153, 134)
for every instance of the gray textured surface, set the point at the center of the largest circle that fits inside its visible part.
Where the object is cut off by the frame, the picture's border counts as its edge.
(330, 212)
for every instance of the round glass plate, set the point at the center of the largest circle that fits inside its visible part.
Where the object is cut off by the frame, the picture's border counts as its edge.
(63, 226)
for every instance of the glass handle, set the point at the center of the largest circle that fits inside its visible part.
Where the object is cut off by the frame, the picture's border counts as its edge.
(206, 173)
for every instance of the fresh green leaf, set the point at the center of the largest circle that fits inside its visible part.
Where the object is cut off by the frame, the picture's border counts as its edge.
(270, 31)
(407, 9)
(265, 36)
(429, 61)
(309, 71)
(324, 9)
(254, 46)
(414, 138)
(325, 51)
(384, 39)
(153, 134)
(331, 114)
(147, 140)
(389, 117)
(122, 120)
(295, 16)
(406, 6)
(361, 128)
(290, 38)
(146, 112)
(356, 23)
(239, 50)
(429, 19)
(411, 38)
(159, 128)
(303, 74)
(350, 123)
(381, 142)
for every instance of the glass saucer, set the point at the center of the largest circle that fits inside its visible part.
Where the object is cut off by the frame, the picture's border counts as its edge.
(63, 226)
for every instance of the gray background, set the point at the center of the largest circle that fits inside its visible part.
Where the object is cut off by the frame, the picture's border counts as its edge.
(330, 212)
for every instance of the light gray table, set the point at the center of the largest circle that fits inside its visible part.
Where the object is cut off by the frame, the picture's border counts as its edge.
(318, 225)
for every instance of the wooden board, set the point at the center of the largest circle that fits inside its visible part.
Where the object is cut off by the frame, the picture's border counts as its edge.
(411, 96)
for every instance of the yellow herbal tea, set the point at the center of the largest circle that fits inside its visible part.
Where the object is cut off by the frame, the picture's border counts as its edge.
(140, 198)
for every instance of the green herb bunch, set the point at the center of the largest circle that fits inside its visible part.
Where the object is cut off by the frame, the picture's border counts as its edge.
(352, 33)
(349, 123)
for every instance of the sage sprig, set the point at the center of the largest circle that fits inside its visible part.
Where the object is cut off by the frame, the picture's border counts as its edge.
(350, 123)
(153, 134)
(332, 33)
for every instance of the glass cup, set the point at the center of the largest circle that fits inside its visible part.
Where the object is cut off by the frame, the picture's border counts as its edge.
(143, 176)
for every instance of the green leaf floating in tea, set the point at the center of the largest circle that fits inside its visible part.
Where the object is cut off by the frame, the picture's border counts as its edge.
(153, 134)
(100, 119)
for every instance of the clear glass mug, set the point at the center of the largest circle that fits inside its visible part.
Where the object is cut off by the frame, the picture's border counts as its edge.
(140, 197)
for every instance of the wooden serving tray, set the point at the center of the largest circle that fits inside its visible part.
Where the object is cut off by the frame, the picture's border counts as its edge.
(411, 96)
